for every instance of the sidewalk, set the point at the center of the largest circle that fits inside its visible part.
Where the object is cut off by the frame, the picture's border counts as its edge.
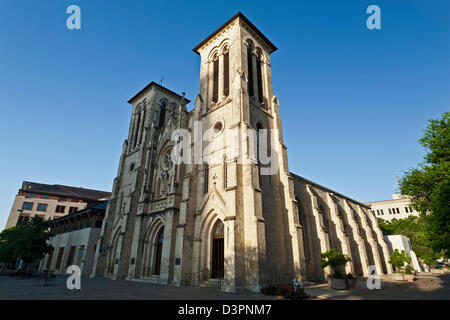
(107, 289)
(426, 286)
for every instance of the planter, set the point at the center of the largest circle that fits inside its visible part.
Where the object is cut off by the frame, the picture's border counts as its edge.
(398, 276)
(351, 283)
(409, 277)
(339, 284)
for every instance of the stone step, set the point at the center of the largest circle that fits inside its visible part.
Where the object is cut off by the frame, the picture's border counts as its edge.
(212, 283)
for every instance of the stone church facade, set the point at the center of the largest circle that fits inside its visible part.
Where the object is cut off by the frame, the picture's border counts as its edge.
(223, 219)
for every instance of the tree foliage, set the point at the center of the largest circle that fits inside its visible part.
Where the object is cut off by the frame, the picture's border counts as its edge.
(413, 228)
(334, 259)
(399, 259)
(428, 185)
(26, 241)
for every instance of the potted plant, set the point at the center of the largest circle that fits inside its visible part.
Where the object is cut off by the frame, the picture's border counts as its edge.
(409, 273)
(398, 260)
(351, 281)
(335, 260)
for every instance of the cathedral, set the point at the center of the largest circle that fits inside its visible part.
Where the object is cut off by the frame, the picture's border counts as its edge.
(202, 213)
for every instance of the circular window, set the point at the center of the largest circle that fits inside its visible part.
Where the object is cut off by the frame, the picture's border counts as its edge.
(218, 126)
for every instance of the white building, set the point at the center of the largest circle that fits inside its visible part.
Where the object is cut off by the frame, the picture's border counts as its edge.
(400, 243)
(397, 208)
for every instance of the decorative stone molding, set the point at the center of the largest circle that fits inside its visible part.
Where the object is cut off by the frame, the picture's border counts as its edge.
(159, 205)
(216, 105)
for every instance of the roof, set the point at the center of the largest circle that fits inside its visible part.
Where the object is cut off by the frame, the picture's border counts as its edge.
(327, 189)
(243, 18)
(99, 207)
(65, 191)
(389, 200)
(153, 83)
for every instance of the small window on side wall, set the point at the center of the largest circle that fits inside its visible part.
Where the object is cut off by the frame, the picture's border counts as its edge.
(215, 96)
(226, 73)
(73, 210)
(162, 114)
(206, 180)
(42, 207)
(27, 206)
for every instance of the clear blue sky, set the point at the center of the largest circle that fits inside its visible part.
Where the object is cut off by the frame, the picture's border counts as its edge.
(353, 101)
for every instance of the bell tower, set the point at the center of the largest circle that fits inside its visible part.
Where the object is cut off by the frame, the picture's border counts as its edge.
(249, 189)
(235, 58)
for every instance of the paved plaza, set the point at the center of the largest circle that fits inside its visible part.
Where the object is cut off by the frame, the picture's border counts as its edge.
(107, 289)
(426, 286)
(435, 287)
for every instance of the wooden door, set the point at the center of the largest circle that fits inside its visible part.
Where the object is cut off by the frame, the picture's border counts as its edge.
(217, 261)
(158, 252)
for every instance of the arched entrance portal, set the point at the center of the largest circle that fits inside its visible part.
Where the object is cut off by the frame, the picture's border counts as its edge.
(158, 251)
(217, 261)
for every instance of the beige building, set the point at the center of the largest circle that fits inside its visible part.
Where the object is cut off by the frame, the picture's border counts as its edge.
(219, 214)
(74, 241)
(397, 208)
(51, 201)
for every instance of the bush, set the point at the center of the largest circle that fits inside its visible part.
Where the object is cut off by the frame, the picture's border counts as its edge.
(338, 275)
(286, 291)
(399, 259)
(349, 276)
(276, 290)
(299, 295)
(334, 259)
(409, 269)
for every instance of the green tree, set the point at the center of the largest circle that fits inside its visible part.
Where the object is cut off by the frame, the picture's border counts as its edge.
(428, 185)
(7, 241)
(334, 259)
(413, 228)
(26, 241)
(398, 259)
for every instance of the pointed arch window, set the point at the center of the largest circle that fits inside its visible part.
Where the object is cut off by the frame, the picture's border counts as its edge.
(325, 221)
(259, 128)
(162, 114)
(302, 221)
(215, 97)
(343, 221)
(206, 180)
(259, 78)
(158, 186)
(225, 173)
(142, 126)
(226, 73)
(136, 130)
(251, 91)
